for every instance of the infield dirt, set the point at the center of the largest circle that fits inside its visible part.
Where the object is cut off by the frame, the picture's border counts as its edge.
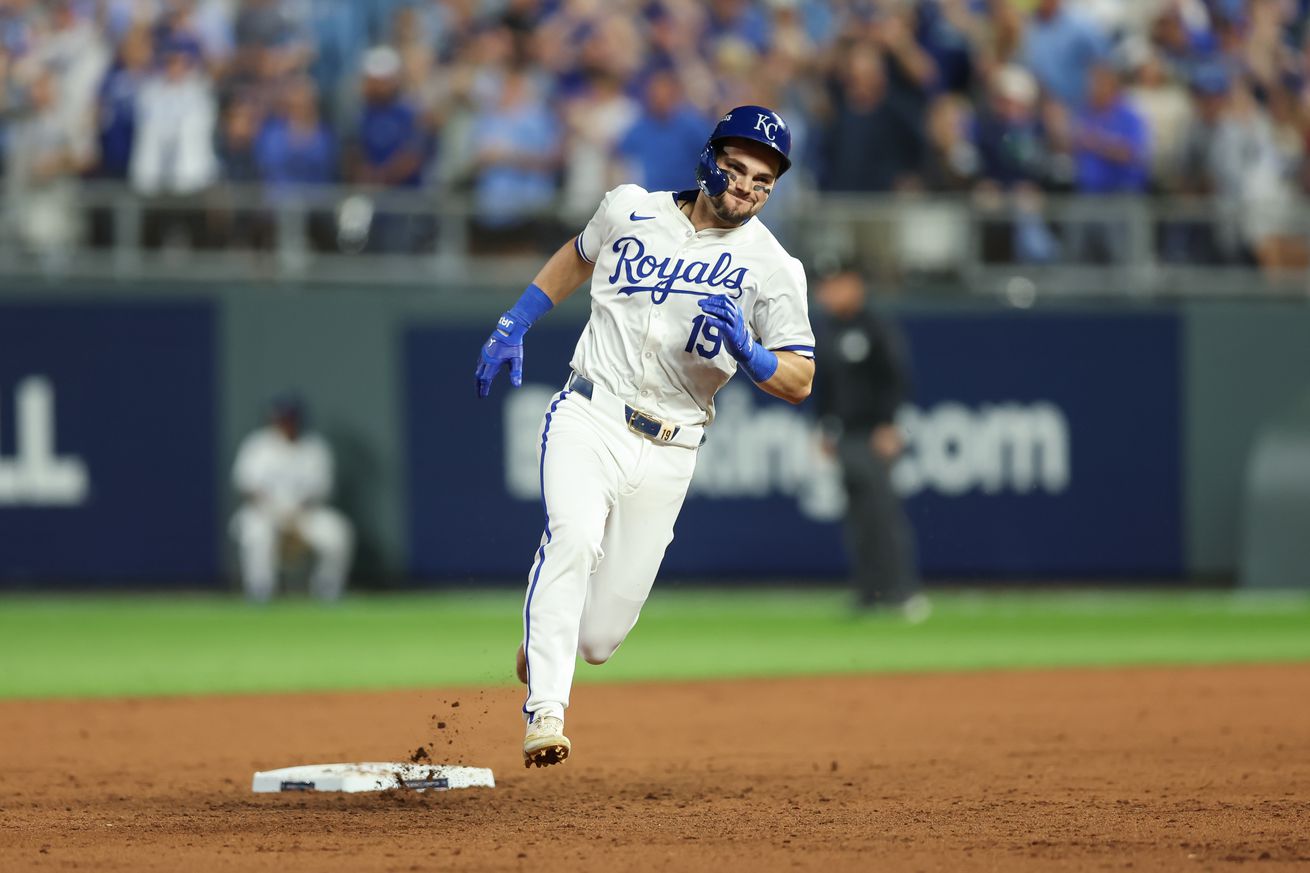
(1146, 769)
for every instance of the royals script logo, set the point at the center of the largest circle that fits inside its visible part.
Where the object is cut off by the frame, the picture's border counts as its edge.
(648, 274)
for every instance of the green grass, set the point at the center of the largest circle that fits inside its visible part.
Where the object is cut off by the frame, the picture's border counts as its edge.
(101, 646)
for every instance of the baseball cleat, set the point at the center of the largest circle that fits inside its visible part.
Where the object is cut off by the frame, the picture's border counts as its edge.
(521, 665)
(545, 743)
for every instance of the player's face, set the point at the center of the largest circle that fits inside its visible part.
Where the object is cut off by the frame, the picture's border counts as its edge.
(752, 170)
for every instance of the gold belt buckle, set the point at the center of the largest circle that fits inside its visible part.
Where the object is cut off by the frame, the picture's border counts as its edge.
(666, 432)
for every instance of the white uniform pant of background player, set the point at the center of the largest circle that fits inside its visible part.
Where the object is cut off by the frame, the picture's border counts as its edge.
(611, 497)
(327, 532)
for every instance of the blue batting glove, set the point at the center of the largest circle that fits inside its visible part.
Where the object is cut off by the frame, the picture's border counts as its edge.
(724, 314)
(506, 342)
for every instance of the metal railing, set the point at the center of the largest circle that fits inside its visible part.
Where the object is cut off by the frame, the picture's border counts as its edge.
(1018, 249)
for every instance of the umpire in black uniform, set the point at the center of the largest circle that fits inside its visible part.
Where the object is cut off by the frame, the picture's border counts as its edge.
(861, 380)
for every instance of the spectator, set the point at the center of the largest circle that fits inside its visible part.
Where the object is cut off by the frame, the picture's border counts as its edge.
(1011, 146)
(861, 381)
(284, 476)
(1182, 35)
(204, 26)
(871, 143)
(737, 19)
(295, 147)
(76, 53)
(115, 119)
(41, 175)
(390, 149)
(943, 28)
(173, 158)
(674, 39)
(1200, 240)
(1166, 107)
(521, 18)
(446, 25)
(1015, 161)
(787, 81)
(1234, 145)
(173, 151)
(737, 78)
(236, 142)
(997, 35)
(933, 236)
(950, 162)
(116, 115)
(1111, 147)
(339, 36)
(516, 143)
(389, 140)
(662, 145)
(911, 71)
(241, 222)
(1111, 156)
(270, 42)
(1061, 47)
(594, 120)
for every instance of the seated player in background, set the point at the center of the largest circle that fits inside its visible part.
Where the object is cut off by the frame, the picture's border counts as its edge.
(284, 475)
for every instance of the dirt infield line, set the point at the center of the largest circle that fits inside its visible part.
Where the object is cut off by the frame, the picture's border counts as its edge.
(1146, 769)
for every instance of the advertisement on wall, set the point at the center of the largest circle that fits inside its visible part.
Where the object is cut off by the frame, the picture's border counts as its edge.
(1037, 445)
(107, 442)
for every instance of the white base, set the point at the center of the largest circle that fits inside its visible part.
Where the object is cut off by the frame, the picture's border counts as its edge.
(372, 776)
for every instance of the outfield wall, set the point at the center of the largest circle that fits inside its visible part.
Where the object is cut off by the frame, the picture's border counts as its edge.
(1061, 442)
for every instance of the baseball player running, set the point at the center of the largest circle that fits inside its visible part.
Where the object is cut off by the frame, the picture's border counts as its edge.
(687, 288)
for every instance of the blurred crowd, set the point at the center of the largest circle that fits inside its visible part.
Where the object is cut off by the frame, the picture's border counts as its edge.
(536, 107)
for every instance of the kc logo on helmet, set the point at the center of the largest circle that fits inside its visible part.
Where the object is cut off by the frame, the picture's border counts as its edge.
(766, 124)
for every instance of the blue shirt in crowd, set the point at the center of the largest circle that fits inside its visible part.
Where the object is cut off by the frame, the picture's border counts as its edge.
(387, 130)
(1100, 175)
(1061, 52)
(117, 117)
(289, 157)
(507, 192)
(665, 149)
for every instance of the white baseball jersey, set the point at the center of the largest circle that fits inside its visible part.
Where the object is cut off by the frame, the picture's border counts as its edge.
(647, 341)
(286, 474)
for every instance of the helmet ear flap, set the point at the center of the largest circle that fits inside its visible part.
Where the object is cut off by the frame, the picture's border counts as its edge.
(709, 176)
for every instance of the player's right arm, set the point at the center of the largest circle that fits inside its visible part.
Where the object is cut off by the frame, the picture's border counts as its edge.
(563, 273)
(555, 281)
(560, 277)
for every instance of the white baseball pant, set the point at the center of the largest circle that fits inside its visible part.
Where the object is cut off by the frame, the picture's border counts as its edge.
(611, 497)
(325, 530)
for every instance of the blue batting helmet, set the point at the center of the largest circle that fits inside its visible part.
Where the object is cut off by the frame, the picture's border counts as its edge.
(756, 123)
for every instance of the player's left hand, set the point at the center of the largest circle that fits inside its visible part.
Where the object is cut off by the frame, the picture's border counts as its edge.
(725, 315)
(504, 345)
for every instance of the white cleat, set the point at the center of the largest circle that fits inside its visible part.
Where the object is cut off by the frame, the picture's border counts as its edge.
(545, 743)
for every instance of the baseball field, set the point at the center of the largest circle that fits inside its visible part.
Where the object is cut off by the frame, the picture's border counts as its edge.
(734, 730)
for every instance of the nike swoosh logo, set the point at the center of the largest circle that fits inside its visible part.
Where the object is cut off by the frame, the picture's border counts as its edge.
(635, 217)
